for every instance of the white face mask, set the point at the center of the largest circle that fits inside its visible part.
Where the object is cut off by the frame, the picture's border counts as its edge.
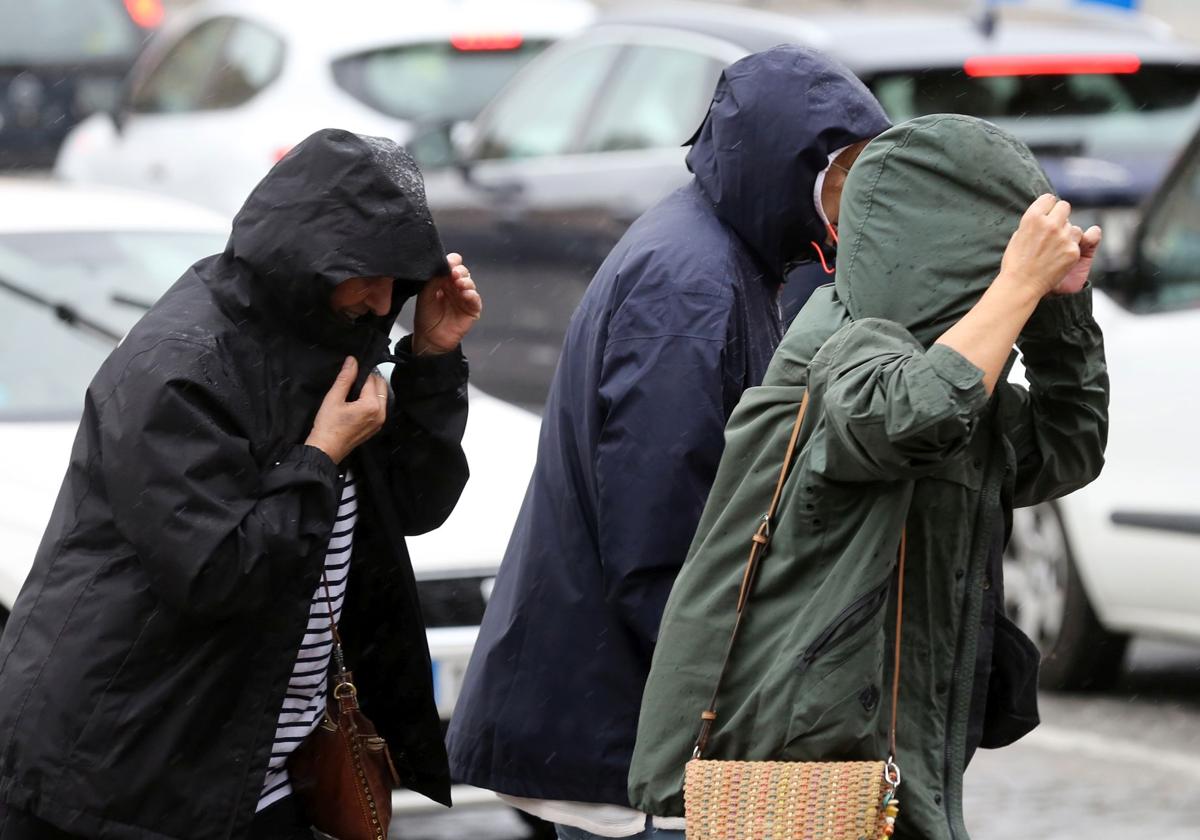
(821, 182)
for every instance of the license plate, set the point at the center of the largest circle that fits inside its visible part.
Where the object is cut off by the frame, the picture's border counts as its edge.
(447, 684)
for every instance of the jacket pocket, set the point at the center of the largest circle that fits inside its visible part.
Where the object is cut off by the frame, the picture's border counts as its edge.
(844, 625)
(1012, 704)
(836, 694)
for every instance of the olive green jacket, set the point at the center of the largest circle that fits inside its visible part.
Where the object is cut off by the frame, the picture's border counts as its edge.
(900, 433)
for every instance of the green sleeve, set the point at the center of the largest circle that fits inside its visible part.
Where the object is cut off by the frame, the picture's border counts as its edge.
(893, 409)
(1058, 426)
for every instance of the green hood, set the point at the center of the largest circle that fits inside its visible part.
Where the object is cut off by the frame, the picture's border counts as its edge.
(926, 214)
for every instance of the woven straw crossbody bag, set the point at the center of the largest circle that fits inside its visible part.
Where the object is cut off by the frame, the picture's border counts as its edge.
(790, 800)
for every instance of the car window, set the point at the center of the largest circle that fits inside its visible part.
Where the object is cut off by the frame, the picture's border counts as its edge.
(221, 63)
(543, 112)
(251, 58)
(436, 81)
(656, 100)
(1170, 247)
(179, 81)
(1154, 105)
(62, 31)
(85, 270)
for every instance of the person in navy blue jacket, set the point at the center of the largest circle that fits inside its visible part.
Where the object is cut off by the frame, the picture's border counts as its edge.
(680, 319)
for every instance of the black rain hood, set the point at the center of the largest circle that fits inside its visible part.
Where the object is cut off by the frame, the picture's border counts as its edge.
(927, 212)
(339, 205)
(147, 659)
(758, 163)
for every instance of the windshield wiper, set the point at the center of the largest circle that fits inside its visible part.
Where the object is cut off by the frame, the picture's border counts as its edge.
(64, 312)
(127, 300)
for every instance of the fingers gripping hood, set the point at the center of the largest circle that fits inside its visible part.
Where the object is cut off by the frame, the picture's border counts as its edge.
(338, 205)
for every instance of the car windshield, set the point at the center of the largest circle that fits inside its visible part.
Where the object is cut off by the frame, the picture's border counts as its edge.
(1093, 113)
(65, 31)
(45, 364)
(435, 82)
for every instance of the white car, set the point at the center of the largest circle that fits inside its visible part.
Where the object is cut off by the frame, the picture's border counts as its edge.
(228, 86)
(1120, 557)
(105, 255)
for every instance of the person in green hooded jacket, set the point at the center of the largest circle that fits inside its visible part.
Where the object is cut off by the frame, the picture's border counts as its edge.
(911, 427)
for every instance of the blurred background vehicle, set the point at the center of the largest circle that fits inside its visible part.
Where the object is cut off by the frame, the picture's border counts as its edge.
(78, 266)
(61, 60)
(536, 187)
(542, 184)
(1118, 558)
(230, 85)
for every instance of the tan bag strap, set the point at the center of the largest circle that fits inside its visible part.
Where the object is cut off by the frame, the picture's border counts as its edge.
(758, 546)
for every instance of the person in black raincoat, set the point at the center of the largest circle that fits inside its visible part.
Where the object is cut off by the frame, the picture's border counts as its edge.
(680, 319)
(144, 668)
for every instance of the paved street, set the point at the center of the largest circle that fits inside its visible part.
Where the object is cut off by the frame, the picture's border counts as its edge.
(1124, 765)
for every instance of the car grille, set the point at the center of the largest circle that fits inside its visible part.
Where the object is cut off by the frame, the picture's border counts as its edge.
(454, 602)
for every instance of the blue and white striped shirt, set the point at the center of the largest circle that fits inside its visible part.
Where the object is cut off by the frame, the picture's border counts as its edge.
(304, 703)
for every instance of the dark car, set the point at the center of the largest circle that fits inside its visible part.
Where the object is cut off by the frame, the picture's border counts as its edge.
(588, 136)
(61, 60)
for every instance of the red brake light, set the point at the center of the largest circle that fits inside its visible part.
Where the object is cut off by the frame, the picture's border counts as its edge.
(147, 14)
(486, 42)
(1050, 65)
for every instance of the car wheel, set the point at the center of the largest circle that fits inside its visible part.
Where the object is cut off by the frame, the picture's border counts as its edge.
(538, 829)
(1044, 595)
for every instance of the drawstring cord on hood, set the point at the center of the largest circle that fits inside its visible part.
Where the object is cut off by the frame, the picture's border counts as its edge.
(821, 254)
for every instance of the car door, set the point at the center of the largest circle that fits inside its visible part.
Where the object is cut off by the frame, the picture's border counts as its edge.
(562, 163)
(183, 111)
(1139, 533)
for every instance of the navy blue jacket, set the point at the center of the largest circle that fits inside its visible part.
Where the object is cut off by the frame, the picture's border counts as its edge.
(680, 319)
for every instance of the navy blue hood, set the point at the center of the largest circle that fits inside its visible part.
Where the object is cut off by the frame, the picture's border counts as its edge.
(758, 162)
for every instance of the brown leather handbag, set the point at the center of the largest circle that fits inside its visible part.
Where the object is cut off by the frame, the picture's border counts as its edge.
(343, 771)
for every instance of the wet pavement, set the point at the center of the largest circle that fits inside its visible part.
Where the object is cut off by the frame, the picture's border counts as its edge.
(1118, 765)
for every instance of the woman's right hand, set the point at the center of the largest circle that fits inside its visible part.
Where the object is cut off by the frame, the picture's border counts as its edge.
(341, 424)
(1044, 248)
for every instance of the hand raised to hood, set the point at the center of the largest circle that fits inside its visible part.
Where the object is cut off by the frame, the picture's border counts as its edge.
(342, 425)
(1077, 276)
(447, 308)
(1044, 248)
(1047, 254)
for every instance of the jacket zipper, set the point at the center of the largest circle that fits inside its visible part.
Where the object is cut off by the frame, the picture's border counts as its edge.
(845, 624)
(953, 698)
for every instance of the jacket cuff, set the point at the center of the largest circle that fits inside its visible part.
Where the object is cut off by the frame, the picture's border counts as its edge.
(1056, 314)
(302, 465)
(965, 380)
(418, 376)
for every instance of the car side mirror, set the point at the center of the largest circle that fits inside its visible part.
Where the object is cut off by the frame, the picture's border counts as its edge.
(119, 112)
(462, 141)
(119, 117)
(440, 144)
(429, 144)
(1123, 285)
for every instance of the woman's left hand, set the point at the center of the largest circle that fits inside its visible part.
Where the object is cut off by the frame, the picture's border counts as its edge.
(447, 308)
(1077, 277)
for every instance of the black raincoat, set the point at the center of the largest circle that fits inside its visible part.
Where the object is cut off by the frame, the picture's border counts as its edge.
(144, 666)
(679, 320)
